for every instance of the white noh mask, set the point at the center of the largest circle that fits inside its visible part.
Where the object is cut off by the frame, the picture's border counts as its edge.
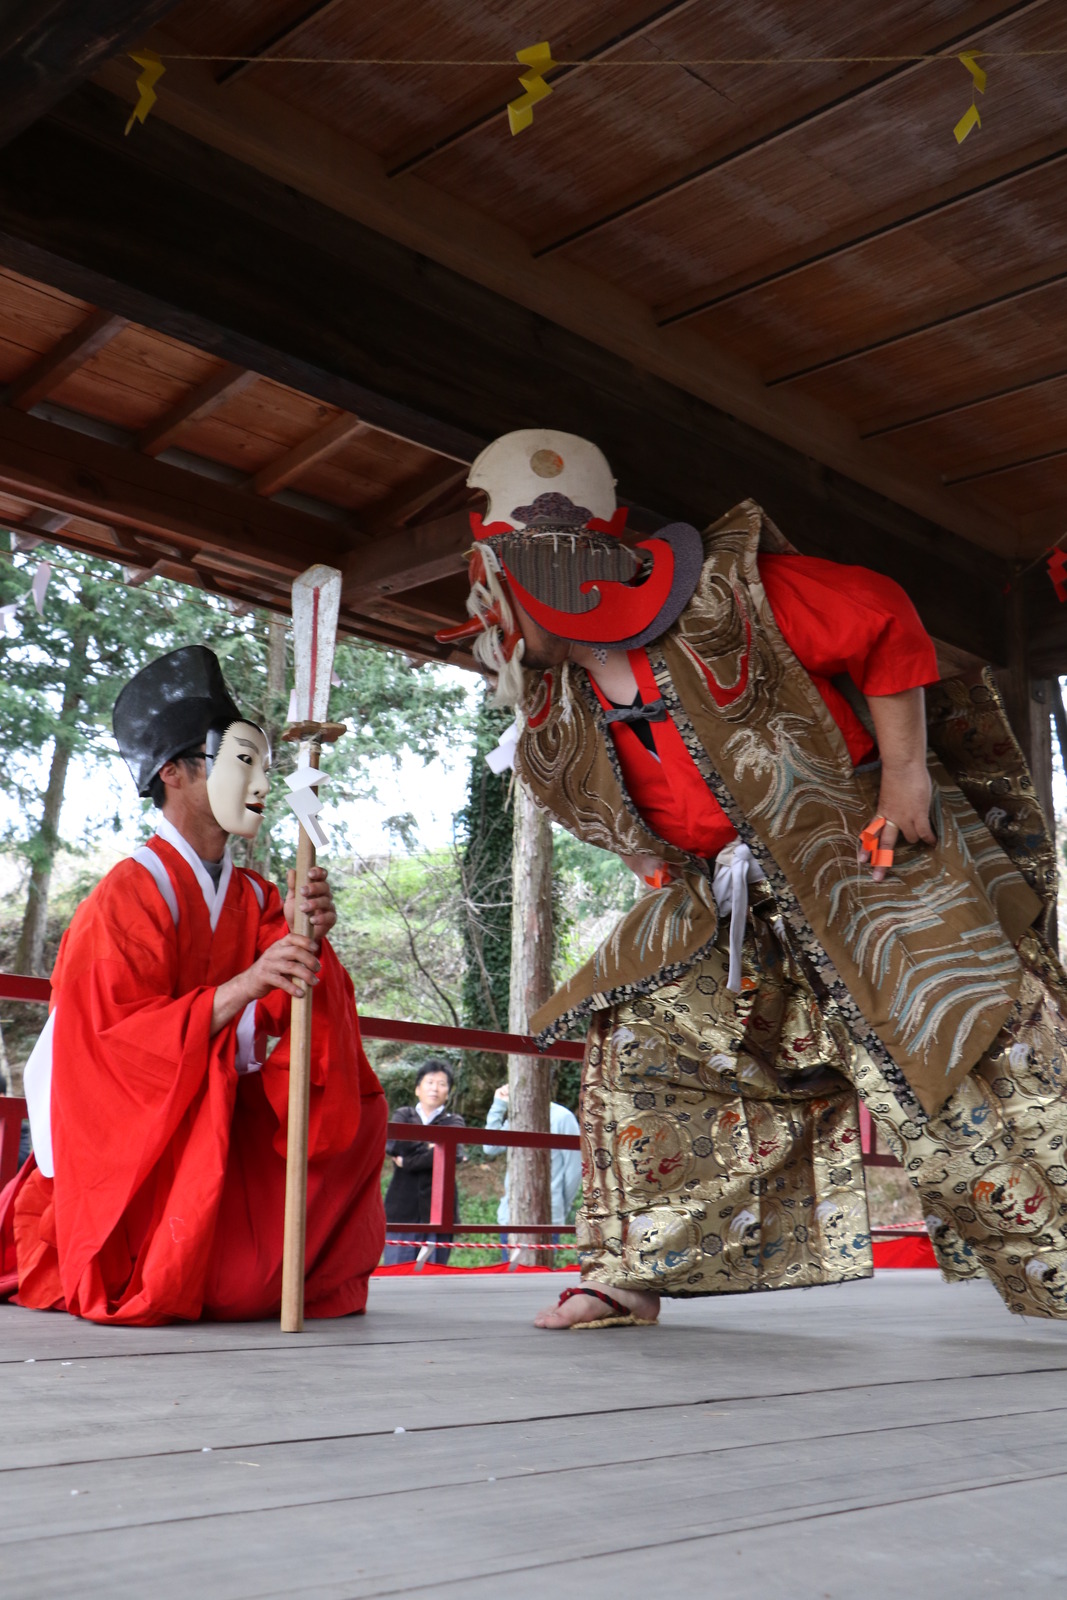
(237, 781)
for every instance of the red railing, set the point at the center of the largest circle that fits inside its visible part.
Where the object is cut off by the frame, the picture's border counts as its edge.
(446, 1141)
(12, 1115)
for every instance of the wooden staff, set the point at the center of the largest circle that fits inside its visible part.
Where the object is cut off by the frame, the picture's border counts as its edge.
(316, 597)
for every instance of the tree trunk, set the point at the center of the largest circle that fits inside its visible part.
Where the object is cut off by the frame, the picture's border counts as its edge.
(29, 956)
(529, 1077)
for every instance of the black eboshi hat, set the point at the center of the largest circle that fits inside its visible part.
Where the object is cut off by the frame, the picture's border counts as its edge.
(170, 705)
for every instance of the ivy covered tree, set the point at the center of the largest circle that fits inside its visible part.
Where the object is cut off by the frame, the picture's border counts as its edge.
(484, 831)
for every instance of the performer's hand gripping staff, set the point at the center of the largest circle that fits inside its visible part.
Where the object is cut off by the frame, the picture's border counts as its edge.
(316, 599)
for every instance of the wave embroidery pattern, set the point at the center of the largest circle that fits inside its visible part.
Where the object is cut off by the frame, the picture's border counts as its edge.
(971, 978)
(796, 778)
(824, 969)
(653, 931)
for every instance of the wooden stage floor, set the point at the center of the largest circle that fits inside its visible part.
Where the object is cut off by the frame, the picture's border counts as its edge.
(893, 1438)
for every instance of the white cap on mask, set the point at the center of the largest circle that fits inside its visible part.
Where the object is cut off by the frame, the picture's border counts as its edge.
(516, 469)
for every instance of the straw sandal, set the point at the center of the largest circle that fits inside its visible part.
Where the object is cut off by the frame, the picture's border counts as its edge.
(622, 1316)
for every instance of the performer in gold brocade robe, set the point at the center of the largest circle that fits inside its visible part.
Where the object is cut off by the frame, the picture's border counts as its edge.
(837, 902)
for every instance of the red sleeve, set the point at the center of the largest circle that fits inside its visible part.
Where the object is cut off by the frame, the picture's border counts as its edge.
(847, 619)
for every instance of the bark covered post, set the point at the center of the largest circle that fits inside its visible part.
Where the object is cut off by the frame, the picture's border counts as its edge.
(529, 1077)
(29, 954)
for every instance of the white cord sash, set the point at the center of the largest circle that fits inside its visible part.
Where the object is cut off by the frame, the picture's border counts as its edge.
(735, 868)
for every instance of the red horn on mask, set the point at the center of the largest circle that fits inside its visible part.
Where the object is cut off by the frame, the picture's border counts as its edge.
(470, 630)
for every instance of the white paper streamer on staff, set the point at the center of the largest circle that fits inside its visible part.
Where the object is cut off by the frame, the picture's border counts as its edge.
(39, 586)
(502, 758)
(7, 620)
(306, 803)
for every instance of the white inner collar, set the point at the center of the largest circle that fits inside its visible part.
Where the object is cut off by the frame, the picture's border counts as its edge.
(213, 898)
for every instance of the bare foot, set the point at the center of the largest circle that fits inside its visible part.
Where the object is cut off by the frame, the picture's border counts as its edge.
(585, 1308)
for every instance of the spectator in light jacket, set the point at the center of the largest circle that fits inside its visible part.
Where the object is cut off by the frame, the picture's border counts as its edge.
(566, 1164)
(407, 1198)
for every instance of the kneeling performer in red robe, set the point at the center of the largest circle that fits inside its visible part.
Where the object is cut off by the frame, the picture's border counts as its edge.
(158, 1115)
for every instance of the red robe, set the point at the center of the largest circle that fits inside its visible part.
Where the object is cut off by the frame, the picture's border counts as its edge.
(167, 1200)
(836, 620)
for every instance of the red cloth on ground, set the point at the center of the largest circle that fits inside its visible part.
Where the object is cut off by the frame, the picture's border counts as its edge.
(911, 1250)
(835, 619)
(169, 1185)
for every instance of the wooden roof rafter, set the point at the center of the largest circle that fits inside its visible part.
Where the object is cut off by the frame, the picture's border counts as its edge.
(407, 560)
(201, 402)
(55, 366)
(996, 466)
(635, 23)
(970, 404)
(281, 143)
(47, 50)
(857, 84)
(416, 500)
(1012, 292)
(276, 43)
(324, 442)
(388, 329)
(944, 198)
(151, 502)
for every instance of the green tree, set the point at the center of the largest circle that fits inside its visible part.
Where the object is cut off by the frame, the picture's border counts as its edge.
(59, 673)
(484, 835)
(62, 671)
(391, 708)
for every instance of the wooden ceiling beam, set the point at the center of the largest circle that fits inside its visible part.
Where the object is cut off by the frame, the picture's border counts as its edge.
(179, 511)
(801, 113)
(52, 369)
(633, 24)
(203, 401)
(409, 499)
(276, 43)
(381, 631)
(325, 441)
(430, 354)
(405, 560)
(962, 406)
(995, 466)
(1012, 291)
(844, 241)
(97, 539)
(422, 618)
(48, 47)
(338, 182)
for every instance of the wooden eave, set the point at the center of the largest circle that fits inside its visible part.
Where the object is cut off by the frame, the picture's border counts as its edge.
(789, 283)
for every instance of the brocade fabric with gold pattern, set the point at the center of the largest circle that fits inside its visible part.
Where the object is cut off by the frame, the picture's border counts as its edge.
(720, 1136)
(922, 965)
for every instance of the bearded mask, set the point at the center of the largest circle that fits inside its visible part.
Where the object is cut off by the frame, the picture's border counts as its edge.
(551, 541)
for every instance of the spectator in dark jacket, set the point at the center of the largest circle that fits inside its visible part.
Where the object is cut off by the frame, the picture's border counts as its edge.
(407, 1198)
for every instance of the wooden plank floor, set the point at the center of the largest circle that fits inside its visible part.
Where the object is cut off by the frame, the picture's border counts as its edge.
(892, 1438)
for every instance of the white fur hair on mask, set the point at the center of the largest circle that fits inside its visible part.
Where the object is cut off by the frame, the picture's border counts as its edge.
(489, 646)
